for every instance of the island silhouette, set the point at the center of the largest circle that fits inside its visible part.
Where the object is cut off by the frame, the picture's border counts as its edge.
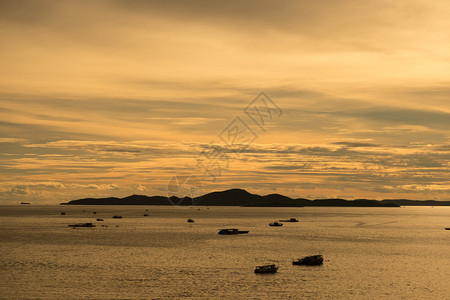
(240, 197)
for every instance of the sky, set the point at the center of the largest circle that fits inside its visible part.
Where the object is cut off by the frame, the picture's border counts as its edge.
(312, 99)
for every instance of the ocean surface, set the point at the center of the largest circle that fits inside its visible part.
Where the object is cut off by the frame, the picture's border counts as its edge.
(370, 253)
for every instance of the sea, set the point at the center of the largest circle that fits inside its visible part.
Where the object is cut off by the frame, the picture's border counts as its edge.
(369, 253)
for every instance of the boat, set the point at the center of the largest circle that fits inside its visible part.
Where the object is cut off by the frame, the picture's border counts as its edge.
(290, 220)
(25, 203)
(448, 228)
(313, 260)
(117, 217)
(266, 269)
(145, 215)
(276, 224)
(100, 220)
(82, 225)
(190, 221)
(232, 231)
(63, 213)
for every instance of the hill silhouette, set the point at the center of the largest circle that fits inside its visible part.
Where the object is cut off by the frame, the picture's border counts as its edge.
(240, 197)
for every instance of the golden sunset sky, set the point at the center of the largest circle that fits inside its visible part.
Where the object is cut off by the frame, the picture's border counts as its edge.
(112, 98)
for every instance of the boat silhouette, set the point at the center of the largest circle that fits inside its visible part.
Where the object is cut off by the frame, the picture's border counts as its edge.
(232, 231)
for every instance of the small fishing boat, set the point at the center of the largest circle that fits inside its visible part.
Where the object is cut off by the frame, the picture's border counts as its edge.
(276, 224)
(266, 269)
(82, 225)
(448, 228)
(117, 217)
(99, 219)
(289, 220)
(145, 215)
(190, 221)
(313, 260)
(232, 231)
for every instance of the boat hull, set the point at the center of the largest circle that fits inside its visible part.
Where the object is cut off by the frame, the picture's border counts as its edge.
(82, 225)
(228, 231)
(266, 269)
(315, 260)
(231, 233)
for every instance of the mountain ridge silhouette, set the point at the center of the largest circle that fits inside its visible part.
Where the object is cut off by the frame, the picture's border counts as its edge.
(241, 197)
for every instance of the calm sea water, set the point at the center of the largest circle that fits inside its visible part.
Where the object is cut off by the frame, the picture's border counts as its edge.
(370, 253)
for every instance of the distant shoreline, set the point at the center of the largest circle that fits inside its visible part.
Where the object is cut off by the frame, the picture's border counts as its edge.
(239, 197)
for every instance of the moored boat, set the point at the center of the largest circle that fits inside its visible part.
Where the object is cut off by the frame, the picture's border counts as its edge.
(190, 221)
(289, 220)
(276, 224)
(266, 269)
(117, 217)
(313, 260)
(82, 225)
(232, 231)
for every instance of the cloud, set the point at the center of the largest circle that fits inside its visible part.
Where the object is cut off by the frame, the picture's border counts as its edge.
(139, 187)
(12, 140)
(207, 42)
(355, 144)
(20, 190)
(25, 187)
(428, 187)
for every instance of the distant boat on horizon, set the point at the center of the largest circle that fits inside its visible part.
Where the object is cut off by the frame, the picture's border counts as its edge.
(25, 203)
